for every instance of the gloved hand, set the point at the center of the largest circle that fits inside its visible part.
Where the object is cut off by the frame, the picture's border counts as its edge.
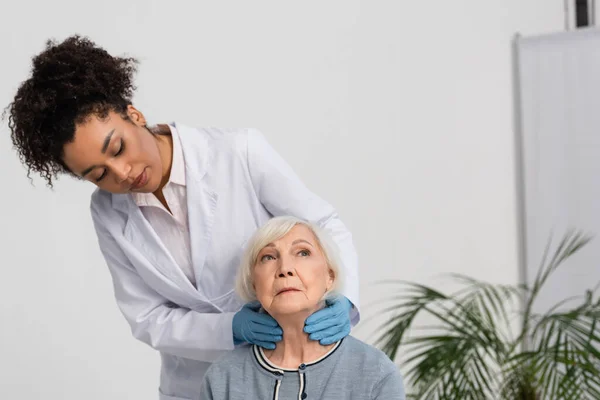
(330, 324)
(256, 328)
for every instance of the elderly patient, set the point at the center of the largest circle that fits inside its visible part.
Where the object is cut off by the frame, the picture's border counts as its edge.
(291, 268)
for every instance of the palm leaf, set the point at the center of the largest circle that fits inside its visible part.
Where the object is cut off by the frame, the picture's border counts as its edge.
(570, 343)
(495, 302)
(568, 246)
(519, 383)
(449, 367)
(416, 298)
(565, 355)
(468, 340)
(469, 352)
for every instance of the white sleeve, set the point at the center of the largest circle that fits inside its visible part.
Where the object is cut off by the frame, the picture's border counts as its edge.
(282, 192)
(156, 321)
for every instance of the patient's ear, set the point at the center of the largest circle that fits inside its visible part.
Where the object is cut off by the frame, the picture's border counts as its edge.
(330, 279)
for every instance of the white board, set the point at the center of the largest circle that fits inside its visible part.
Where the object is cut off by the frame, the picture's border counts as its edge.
(558, 125)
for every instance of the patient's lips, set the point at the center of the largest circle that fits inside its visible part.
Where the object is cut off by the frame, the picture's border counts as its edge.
(287, 290)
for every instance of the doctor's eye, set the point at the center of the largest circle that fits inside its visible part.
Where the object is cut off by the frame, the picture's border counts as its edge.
(98, 179)
(121, 148)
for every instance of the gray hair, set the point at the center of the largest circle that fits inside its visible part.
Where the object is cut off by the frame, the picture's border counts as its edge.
(273, 230)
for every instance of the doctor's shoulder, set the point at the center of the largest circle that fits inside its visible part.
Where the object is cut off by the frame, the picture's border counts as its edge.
(103, 212)
(230, 139)
(100, 202)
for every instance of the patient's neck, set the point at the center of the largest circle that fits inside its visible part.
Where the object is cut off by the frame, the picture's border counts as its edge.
(295, 348)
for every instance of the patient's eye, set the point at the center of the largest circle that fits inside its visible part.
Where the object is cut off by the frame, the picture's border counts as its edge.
(266, 257)
(304, 253)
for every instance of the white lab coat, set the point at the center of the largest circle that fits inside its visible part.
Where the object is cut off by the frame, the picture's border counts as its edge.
(235, 183)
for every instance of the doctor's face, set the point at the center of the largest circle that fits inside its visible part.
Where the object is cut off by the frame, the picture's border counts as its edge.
(116, 154)
(291, 275)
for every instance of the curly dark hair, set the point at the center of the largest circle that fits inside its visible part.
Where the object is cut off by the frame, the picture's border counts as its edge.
(69, 82)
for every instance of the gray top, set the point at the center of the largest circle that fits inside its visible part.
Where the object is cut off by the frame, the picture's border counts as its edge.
(350, 370)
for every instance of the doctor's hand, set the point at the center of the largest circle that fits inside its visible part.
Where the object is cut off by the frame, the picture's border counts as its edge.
(255, 328)
(330, 324)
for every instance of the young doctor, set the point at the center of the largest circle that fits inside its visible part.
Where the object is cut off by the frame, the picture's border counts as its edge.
(173, 209)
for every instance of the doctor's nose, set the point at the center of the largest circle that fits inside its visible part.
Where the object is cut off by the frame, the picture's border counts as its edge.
(121, 171)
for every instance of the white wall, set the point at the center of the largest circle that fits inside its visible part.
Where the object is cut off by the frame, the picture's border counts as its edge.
(399, 113)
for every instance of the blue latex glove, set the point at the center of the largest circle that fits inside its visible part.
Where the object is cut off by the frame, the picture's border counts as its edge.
(256, 328)
(330, 324)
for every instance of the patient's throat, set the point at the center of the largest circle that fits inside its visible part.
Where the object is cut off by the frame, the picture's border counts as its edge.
(289, 354)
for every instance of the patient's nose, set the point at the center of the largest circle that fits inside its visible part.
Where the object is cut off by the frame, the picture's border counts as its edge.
(286, 269)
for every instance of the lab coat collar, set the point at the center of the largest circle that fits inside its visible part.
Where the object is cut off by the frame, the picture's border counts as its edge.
(202, 202)
(195, 151)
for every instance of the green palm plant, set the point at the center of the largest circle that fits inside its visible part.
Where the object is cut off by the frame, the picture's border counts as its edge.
(487, 342)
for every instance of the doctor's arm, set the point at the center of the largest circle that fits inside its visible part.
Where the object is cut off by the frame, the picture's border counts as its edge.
(282, 192)
(156, 321)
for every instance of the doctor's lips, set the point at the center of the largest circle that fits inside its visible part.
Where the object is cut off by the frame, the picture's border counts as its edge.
(140, 181)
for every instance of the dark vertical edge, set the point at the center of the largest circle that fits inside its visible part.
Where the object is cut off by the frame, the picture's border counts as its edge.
(521, 233)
